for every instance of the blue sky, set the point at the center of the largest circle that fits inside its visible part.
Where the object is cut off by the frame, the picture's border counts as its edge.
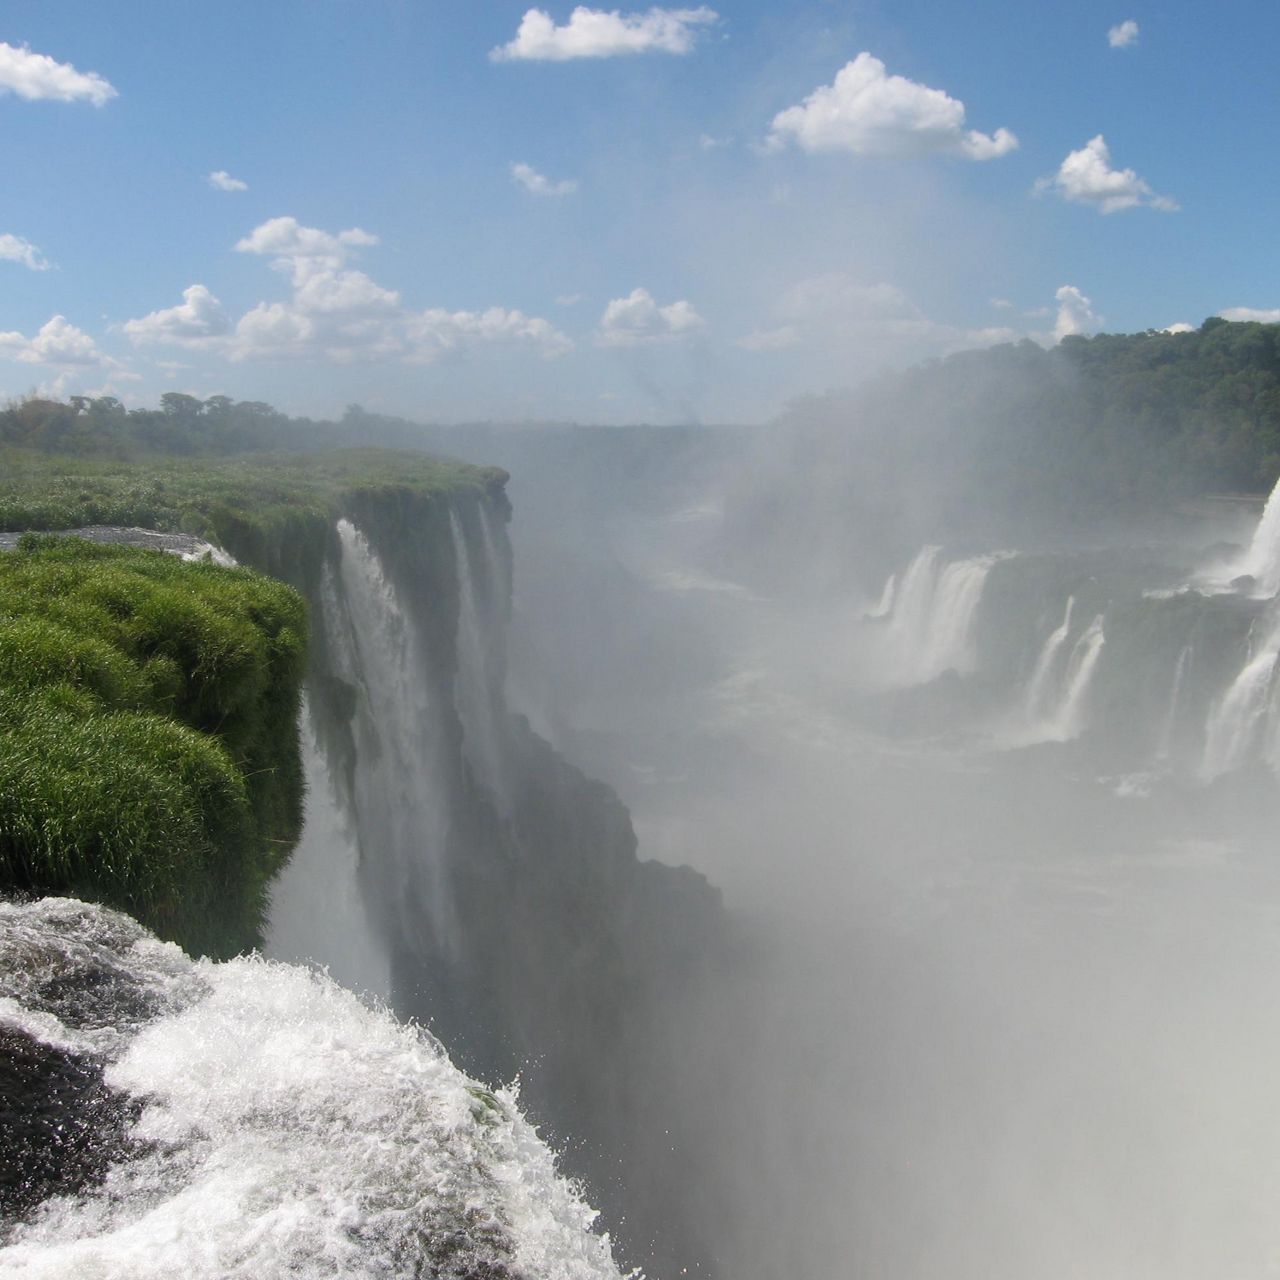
(684, 213)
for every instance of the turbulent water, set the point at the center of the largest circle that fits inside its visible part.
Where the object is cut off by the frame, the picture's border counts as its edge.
(281, 1127)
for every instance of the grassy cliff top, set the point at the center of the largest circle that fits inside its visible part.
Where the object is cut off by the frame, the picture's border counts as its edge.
(148, 741)
(48, 491)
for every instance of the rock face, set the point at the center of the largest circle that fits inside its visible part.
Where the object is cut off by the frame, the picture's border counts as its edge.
(500, 886)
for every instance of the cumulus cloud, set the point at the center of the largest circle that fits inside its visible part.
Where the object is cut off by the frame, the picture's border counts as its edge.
(334, 312)
(432, 334)
(195, 322)
(538, 185)
(36, 76)
(1264, 316)
(221, 180)
(1123, 34)
(16, 249)
(599, 33)
(59, 343)
(868, 112)
(1183, 327)
(1086, 177)
(637, 320)
(287, 240)
(1075, 314)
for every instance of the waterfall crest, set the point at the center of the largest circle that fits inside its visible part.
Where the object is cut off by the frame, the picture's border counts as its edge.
(282, 1128)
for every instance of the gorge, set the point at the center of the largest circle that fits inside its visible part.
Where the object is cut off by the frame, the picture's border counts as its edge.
(989, 791)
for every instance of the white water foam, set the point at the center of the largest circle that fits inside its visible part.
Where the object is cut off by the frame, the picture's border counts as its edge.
(296, 1133)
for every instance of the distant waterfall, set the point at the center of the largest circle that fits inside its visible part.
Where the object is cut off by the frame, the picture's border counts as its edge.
(931, 619)
(1262, 560)
(1241, 720)
(884, 606)
(1039, 684)
(1056, 697)
(1165, 747)
(479, 691)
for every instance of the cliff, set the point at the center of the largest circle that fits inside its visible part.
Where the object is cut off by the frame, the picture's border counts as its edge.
(500, 885)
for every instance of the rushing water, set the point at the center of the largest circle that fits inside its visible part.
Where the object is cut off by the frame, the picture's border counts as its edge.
(284, 1128)
(931, 614)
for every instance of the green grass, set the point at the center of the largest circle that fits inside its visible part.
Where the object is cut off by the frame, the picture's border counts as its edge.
(148, 734)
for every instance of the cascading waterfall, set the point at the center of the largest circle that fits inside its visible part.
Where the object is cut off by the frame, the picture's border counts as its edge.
(1054, 705)
(273, 1126)
(479, 692)
(931, 621)
(1238, 722)
(1069, 719)
(321, 881)
(1045, 668)
(1262, 560)
(400, 810)
(1164, 749)
(884, 606)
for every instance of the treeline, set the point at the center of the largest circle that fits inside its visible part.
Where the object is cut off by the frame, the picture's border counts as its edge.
(184, 426)
(1134, 418)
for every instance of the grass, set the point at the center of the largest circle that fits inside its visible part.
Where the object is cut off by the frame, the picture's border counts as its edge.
(148, 734)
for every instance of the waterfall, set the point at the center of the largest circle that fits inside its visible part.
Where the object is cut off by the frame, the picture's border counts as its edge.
(1053, 708)
(932, 615)
(1165, 747)
(1069, 719)
(884, 606)
(401, 811)
(1037, 686)
(1262, 560)
(478, 686)
(1238, 719)
(321, 882)
(270, 1125)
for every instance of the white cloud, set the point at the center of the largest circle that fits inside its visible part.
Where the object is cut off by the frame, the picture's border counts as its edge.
(1265, 316)
(1086, 177)
(867, 112)
(1002, 304)
(196, 321)
(1183, 327)
(221, 180)
(432, 334)
(638, 320)
(16, 249)
(59, 342)
(597, 33)
(1123, 34)
(287, 240)
(1075, 314)
(334, 312)
(710, 143)
(36, 76)
(535, 184)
